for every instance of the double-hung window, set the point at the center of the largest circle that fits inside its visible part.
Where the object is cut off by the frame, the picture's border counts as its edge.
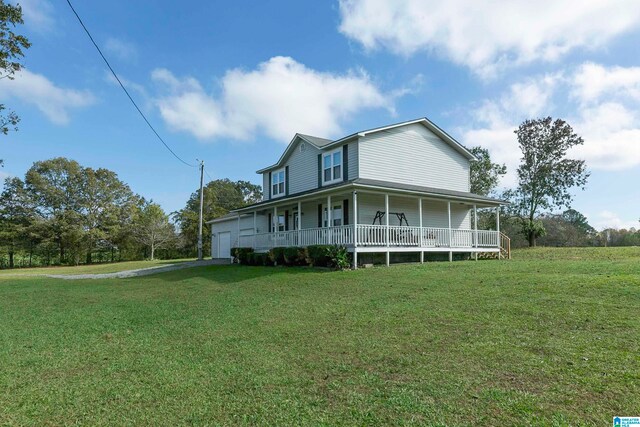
(332, 166)
(336, 216)
(277, 183)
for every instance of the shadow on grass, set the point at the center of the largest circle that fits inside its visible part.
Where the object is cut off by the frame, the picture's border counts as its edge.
(226, 274)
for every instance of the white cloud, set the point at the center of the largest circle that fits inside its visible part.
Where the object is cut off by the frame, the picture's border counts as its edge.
(593, 82)
(52, 100)
(607, 219)
(121, 49)
(485, 36)
(499, 118)
(612, 136)
(37, 14)
(278, 98)
(607, 118)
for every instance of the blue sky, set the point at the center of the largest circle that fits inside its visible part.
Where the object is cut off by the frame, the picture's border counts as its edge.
(231, 82)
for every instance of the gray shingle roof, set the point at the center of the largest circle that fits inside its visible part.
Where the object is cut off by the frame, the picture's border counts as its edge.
(427, 191)
(318, 142)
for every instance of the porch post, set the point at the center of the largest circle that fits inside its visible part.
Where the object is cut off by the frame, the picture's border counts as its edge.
(498, 225)
(475, 229)
(255, 227)
(355, 230)
(274, 224)
(329, 219)
(386, 220)
(449, 216)
(421, 233)
(239, 243)
(299, 220)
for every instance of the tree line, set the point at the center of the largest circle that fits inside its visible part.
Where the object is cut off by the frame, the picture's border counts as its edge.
(546, 178)
(66, 213)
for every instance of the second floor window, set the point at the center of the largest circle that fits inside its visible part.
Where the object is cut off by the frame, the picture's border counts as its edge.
(332, 166)
(277, 183)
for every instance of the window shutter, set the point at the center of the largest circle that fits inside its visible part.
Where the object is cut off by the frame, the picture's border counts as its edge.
(269, 187)
(319, 170)
(345, 162)
(286, 180)
(320, 215)
(345, 211)
(270, 224)
(286, 220)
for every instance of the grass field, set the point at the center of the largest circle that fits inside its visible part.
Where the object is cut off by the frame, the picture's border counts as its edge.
(90, 269)
(549, 338)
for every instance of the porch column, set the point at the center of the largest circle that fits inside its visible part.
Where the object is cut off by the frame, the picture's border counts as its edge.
(299, 221)
(421, 233)
(329, 219)
(386, 220)
(255, 227)
(239, 243)
(274, 224)
(498, 225)
(475, 229)
(449, 216)
(355, 230)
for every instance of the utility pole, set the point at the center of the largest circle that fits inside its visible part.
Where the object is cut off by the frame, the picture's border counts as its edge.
(201, 206)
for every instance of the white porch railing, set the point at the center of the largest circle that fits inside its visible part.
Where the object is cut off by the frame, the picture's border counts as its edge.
(375, 235)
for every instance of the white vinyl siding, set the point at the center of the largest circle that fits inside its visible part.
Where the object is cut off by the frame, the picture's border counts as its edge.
(434, 212)
(231, 226)
(266, 192)
(303, 169)
(352, 161)
(309, 214)
(412, 155)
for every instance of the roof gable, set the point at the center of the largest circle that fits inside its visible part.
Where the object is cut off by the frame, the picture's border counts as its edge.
(323, 143)
(316, 142)
(423, 121)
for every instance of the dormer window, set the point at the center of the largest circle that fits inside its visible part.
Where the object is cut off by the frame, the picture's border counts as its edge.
(332, 166)
(277, 183)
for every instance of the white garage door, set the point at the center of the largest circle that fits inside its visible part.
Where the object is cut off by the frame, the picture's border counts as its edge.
(224, 245)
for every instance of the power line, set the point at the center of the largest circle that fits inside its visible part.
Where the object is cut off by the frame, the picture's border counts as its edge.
(205, 171)
(125, 89)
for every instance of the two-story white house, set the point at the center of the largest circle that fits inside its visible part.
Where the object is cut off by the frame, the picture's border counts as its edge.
(397, 188)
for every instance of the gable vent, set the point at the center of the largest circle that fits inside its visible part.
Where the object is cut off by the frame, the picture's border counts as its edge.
(303, 146)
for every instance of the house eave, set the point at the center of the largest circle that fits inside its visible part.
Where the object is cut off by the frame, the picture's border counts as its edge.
(389, 187)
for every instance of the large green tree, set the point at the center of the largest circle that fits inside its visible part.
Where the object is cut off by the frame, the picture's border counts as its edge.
(83, 209)
(106, 206)
(12, 48)
(16, 216)
(545, 175)
(485, 174)
(55, 185)
(220, 196)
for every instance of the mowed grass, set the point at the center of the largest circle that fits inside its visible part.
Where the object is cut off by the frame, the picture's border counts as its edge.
(89, 269)
(549, 338)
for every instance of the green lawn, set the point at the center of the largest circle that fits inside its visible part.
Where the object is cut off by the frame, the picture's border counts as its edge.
(549, 338)
(90, 269)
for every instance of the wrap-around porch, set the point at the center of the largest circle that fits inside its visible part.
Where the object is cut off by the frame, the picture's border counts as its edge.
(370, 221)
